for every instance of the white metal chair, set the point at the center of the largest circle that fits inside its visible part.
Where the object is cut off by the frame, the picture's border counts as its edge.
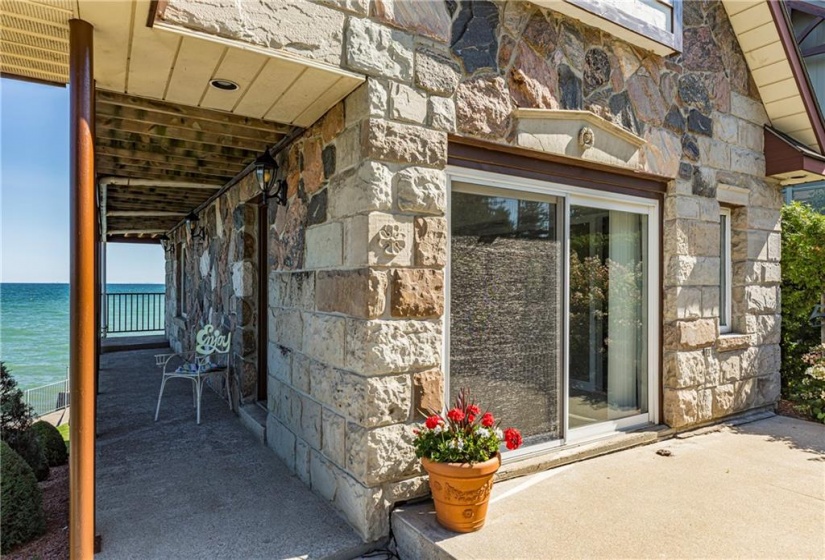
(210, 359)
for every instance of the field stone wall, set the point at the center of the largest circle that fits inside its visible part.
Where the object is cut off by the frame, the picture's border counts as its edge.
(357, 257)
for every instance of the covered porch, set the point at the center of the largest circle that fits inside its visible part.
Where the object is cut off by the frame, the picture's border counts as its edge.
(163, 121)
(173, 489)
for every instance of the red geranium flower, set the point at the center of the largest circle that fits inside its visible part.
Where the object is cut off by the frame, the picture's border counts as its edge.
(473, 409)
(471, 418)
(432, 422)
(487, 420)
(455, 415)
(513, 438)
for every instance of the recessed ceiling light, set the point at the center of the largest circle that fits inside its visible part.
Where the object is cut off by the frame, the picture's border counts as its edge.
(224, 85)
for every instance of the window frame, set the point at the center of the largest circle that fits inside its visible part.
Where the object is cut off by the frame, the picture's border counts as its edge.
(483, 182)
(725, 271)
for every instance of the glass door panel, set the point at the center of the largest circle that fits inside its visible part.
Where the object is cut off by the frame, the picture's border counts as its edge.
(608, 326)
(505, 307)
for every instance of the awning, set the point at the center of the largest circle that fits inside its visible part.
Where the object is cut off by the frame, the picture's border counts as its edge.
(790, 161)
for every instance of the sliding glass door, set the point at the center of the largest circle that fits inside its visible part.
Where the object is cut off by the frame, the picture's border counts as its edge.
(505, 317)
(551, 297)
(608, 320)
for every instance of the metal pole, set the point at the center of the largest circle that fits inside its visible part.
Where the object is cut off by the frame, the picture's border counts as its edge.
(82, 302)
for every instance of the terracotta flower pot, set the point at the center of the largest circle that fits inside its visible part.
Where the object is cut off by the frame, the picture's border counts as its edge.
(461, 492)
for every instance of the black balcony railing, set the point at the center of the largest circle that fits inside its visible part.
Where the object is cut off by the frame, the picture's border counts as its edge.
(135, 312)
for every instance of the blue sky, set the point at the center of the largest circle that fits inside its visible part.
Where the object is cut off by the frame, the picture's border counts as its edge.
(34, 193)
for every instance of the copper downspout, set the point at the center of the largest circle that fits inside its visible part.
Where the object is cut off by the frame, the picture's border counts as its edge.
(82, 302)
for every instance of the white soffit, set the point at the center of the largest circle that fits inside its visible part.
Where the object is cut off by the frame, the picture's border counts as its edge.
(168, 63)
(757, 34)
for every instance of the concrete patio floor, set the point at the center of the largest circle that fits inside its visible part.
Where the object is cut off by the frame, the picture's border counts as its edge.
(173, 489)
(755, 490)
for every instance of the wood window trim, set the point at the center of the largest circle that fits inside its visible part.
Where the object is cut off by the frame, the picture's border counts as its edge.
(533, 164)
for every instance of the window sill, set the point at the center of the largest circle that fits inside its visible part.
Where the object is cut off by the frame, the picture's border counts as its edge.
(728, 342)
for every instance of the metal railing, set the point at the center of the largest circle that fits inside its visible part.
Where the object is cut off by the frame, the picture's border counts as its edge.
(48, 398)
(135, 312)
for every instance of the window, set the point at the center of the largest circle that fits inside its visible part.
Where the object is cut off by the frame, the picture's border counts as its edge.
(550, 311)
(725, 273)
(654, 25)
(182, 281)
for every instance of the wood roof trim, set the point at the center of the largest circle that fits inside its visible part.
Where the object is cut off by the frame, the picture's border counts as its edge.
(800, 74)
(785, 155)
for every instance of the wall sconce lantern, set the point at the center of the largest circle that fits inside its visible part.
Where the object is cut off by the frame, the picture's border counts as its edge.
(265, 170)
(166, 243)
(192, 221)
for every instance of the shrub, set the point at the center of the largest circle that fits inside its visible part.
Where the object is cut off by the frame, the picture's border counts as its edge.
(28, 446)
(803, 283)
(21, 517)
(15, 415)
(52, 443)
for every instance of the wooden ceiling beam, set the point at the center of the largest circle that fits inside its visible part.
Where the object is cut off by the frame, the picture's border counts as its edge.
(142, 213)
(191, 123)
(173, 170)
(174, 143)
(193, 112)
(228, 155)
(188, 135)
(123, 153)
(189, 166)
(149, 175)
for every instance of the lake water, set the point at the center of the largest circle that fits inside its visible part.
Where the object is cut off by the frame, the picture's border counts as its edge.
(34, 329)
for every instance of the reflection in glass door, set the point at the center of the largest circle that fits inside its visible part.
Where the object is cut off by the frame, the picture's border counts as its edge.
(505, 306)
(608, 319)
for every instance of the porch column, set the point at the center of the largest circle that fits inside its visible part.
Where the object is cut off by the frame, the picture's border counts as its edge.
(83, 306)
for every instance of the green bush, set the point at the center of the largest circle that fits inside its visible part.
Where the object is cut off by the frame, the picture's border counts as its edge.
(52, 443)
(803, 283)
(15, 415)
(28, 446)
(21, 516)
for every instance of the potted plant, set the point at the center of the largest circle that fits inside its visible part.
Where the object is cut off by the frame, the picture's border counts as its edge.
(460, 452)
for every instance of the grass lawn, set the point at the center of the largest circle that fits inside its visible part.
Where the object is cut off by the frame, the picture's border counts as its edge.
(64, 431)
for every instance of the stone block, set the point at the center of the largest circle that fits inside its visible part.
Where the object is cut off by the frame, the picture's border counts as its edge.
(379, 347)
(761, 299)
(281, 441)
(310, 422)
(428, 393)
(324, 337)
(703, 239)
(244, 279)
(747, 161)
(379, 455)
(733, 341)
(749, 245)
(430, 242)
(324, 245)
(279, 362)
(379, 239)
(286, 328)
(677, 237)
(435, 71)
(377, 50)
(766, 329)
(407, 104)
(363, 507)
(768, 389)
(683, 303)
(681, 207)
(774, 247)
(367, 189)
(430, 20)
(302, 464)
(421, 190)
(301, 373)
(292, 289)
(359, 293)
(681, 407)
(334, 429)
(723, 398)
(744, 394)
(687, 335)
(442, 114)
(313, 171)
(684, 369)
(365, 401)
(417, 293)
(726, 127)
(749, 109)
(403, 143)
(483, 107)
(348, 148)
(763, 218)
(752, 136)
(767, 360)
(710, 301)
(692, 271)
(323, 476)
(411, 488)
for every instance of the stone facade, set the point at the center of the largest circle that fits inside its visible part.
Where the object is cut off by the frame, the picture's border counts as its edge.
(357, 257)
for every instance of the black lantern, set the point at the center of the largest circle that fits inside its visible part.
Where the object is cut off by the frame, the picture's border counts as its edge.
(265, 169)
(192, 221)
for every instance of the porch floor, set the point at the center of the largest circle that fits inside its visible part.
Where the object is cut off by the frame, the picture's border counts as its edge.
(749, 491)
(173, 489)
